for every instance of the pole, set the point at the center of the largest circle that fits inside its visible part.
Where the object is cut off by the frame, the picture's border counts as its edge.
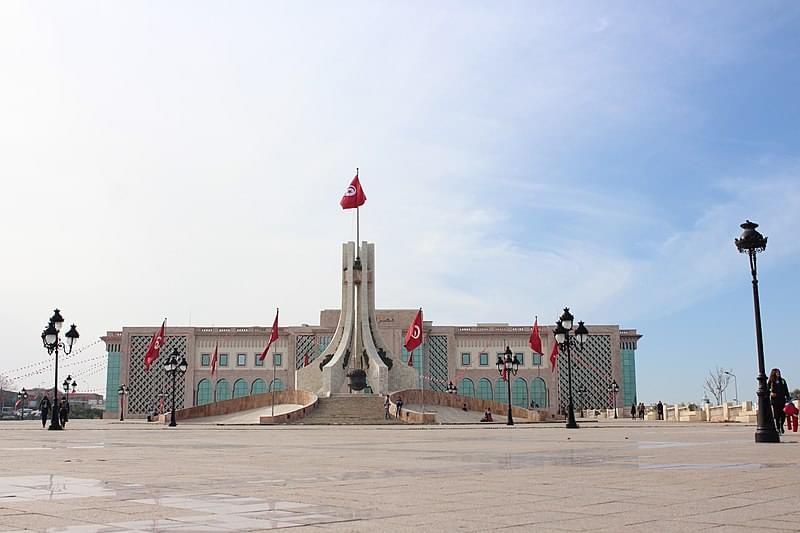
(765, 425)
(736, 387)
(272, 386)
(55, 423)
(358, 227)
(121, 407)
(422, 378)
(510, 421)
(571, 423)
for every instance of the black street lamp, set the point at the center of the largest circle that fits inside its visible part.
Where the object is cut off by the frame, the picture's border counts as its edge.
(735, 385)
(51, 342)
(752, 242)
(565, 342)
(506, 366)
(613, 388)
(172, 367)
(22, 396)
(123, 390)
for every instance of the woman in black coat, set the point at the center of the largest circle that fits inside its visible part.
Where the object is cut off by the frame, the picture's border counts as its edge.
(44, 407)
(778, 396)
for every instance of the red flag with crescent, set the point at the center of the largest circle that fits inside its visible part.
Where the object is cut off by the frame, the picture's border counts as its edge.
(155, 345)
(354, 195)
(273, 336)
(306, 360)
(553, 356)
(536, 340)
(214, 359)
(414, 337)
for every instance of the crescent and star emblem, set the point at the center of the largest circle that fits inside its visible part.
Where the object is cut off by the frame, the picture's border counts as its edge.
(415, 333)
(351, 191)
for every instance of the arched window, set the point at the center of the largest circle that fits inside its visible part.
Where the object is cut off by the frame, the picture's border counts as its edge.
(539, 393)
(203, 392)
(519, 393)
(276, 385)
(500, 392)
(223, 390)
(259, 386)
(240, 388)
(484, 389)
(466, 388)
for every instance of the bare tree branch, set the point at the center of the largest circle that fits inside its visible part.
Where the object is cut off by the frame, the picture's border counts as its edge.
(716, 383)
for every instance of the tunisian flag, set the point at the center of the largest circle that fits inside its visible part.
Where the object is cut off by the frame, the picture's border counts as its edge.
(414, 336)
(553, 356)
(155, 346)
(354, 195)
(214, 359)
(536, 340)
(272, 337)
(306, 360)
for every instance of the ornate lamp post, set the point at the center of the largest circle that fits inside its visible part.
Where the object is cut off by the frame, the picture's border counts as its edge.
(565, 342)
(173, 367)
(735, 385)
(65, 385)
(613, 388)
(53, 344)
(123, 390)
(751, 242)
(22, 396)
(506, 366)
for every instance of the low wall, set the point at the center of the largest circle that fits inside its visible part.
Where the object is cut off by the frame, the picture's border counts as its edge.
(308, 400)
(728, 412)
(456, 401)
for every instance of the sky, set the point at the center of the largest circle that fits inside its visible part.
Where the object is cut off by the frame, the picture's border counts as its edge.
(186, 160)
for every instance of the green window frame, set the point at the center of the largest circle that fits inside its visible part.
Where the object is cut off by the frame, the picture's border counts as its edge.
(203, 392)
(277, 360)
(521, 359)
(223, 359)
(205, 359)
(258, 360)
(483, 359)
(536, 359)
(466, 359)
(241, 359)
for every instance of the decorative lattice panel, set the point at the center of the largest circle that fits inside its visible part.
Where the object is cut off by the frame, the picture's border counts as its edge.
(591, 370)
(305, 344)
(145, 387)
(437, 362)
(324, 341)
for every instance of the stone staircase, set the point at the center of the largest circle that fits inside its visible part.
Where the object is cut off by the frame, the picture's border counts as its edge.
(348, 409)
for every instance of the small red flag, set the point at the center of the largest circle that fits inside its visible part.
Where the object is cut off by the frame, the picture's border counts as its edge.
(553, 356)
(536, 340)
(273, 336)
(214, 359)
(354, 195)
(414, 336)
(155, 346)
(504, 374)
(306, 360)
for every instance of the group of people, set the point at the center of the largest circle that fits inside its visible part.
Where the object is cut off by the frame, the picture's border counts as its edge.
(638, 411)
(387, 403)
(45, 406)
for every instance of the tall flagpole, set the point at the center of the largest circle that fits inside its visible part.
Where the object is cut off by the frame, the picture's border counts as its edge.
(422, 366)
(358, 228)
(273, 385)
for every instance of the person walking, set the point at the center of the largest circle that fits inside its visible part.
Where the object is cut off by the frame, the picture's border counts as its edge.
(641, 410)
(386, 404)
(63, 413)
(790, 410)
(660, 410)
(778, 396)
(633, 411)
(399, 404)
(44, 407)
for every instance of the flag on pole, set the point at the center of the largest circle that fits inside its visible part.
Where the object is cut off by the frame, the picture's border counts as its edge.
(354, 195)
(273, 336)
(155, 346)
(553, 356)
(214, 359)
(536, 340)
(306, 360)
(414, 336)
(504, 374)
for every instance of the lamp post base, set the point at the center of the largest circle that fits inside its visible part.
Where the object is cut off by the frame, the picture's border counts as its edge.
(765, 423)
(571, 423)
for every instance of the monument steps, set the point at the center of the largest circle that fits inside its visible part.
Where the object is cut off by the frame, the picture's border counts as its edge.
(348, 409)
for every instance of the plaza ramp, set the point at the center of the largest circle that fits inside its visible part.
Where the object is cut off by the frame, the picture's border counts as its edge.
(289, 405)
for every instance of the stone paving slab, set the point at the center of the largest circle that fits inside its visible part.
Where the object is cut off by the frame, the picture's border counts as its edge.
(106, 476)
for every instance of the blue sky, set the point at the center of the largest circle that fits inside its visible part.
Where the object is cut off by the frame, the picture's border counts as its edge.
(186, 160)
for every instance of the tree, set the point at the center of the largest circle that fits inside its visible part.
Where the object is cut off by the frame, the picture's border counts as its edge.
(796, 394)
(716, 383)
(6, 386)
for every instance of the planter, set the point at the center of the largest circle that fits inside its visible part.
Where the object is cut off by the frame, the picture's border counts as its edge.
(358, 379)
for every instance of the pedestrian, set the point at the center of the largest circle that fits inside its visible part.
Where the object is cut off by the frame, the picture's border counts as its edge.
(660, 410)
(633, 411)
(778, 396)
(790, 410)
(399, 404)
(63, 412)
(386, 404)
(44, 407)
(487, 415)
(464, 407)
(641, 410)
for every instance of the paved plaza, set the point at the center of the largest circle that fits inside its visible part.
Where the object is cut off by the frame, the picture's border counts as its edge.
(106, 476)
